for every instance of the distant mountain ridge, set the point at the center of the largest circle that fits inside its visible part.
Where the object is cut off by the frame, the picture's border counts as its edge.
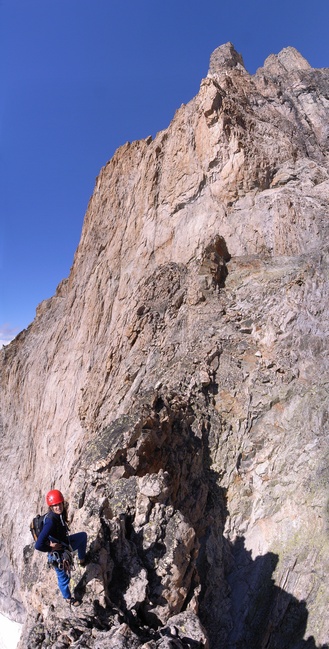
(175, 387)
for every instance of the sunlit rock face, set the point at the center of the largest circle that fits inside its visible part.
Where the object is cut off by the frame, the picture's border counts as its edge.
(176, 386)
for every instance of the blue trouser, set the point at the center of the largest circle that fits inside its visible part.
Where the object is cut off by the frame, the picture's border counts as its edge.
(77, 542)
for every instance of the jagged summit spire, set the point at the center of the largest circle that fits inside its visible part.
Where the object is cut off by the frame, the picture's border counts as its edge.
(287, 60)
(225, 56)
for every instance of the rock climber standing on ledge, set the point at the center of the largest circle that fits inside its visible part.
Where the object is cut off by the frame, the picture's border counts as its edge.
(55, 539)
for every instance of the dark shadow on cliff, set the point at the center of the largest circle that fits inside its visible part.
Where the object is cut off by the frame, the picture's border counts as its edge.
(263, 615)
(241, 607)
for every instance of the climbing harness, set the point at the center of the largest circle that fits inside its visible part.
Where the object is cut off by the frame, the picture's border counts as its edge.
(63, 560)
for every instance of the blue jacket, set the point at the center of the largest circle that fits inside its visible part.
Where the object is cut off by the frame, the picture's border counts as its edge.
(54, 529)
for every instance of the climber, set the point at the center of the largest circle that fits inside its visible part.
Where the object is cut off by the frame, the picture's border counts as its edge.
(55, 539)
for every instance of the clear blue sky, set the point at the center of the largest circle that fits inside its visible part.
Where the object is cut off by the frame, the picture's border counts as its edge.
(81, 77)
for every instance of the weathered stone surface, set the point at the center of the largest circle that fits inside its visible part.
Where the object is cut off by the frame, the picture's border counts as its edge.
(176, 386)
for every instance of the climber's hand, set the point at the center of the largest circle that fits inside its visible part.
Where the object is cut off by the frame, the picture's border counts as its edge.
(55, 546)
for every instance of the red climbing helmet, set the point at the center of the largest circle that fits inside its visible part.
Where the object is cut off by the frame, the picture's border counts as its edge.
(54, 497)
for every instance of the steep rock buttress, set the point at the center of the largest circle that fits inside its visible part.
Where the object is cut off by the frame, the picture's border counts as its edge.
(176, 386)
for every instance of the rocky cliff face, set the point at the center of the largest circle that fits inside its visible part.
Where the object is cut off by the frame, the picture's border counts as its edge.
(176, 386)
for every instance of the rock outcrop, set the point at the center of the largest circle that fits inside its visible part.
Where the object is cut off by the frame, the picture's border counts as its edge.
(176, 386)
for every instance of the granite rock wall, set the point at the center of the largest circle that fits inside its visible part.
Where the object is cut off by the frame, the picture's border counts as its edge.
(175, 388)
